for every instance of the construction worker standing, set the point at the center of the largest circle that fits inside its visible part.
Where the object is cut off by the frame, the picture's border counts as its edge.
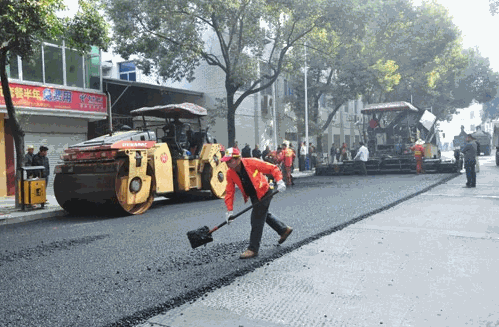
(287, 157)
(418, 155)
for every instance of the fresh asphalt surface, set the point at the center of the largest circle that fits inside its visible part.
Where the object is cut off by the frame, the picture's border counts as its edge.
(95, 271)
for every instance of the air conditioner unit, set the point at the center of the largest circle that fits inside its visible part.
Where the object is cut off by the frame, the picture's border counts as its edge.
(267, 104)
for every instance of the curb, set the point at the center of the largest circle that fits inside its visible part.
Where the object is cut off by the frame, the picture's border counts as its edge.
(50, 213)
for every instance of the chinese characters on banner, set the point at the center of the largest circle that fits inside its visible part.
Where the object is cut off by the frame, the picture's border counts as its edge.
(55, 98)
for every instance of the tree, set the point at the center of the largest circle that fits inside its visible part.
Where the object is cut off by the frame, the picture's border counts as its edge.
(331, 52)
(437, 73)
(25, 25)
(404, 53)
(490, 110)
(493, 7)
(347, 60)
(171, 37)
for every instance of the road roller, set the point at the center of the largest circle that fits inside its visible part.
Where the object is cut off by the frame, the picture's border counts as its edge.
(123, 172)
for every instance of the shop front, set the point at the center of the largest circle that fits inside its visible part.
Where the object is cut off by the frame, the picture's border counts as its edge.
(55, 117)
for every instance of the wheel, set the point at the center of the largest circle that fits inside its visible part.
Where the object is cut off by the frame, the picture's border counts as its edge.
(214, 175)
(139, 208)
(98, 193)
(218, 180)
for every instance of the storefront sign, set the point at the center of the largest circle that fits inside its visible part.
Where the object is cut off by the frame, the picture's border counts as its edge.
(54, 98)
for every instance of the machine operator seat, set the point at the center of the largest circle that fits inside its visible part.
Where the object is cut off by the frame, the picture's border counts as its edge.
(176, 136)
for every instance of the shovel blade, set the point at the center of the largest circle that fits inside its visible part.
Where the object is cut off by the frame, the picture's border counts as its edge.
(200, 236)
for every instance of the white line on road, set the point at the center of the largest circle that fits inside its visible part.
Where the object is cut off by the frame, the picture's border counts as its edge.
(463, 195)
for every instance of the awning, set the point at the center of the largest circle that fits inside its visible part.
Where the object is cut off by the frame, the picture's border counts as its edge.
(389, 106)
(183, 110)
(126, 96)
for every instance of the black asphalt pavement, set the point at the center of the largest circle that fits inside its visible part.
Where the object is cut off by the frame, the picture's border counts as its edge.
(94, 271)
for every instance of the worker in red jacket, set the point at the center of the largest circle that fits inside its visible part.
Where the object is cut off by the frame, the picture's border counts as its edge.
(248, 175)
(418, 155)
(287, 157)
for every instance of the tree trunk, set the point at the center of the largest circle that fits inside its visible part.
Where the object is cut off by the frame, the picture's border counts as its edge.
(17, 132)
(319, 144)
(231, 120)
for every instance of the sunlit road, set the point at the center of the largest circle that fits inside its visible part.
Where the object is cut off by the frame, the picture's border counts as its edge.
(94, 271)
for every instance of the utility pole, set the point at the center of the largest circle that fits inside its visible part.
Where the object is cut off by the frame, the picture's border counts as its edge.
(274, 104)
(306, 104)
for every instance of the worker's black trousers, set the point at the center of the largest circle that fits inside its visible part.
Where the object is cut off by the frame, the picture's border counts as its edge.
(259, 216)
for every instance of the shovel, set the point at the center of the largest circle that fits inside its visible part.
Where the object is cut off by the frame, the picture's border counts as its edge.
(203, 236)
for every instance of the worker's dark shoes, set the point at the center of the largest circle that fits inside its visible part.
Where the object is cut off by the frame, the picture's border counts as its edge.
(285, 235)
(248, 254)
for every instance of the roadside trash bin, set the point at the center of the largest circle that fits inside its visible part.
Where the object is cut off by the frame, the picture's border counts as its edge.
(32, 189)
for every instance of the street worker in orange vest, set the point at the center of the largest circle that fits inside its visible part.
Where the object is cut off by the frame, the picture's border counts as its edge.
(248, 175)
(418, 155)
(287, 157)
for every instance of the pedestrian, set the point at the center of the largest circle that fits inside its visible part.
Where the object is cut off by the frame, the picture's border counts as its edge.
(256, 152)
(477, 155)
(246, 151)
(313, 156)
(344, 153)
(469, 152)
(236, 146)
(418, 155)
(301, 158)
(275, 157)
(293, 165)
(248, 175)
(286, 158)
(361, 158)
(28, 158)
(40, 159)
(332, 153)
(265, 153)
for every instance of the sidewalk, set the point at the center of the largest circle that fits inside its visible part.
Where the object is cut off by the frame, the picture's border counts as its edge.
(429, 261)
(10, 215)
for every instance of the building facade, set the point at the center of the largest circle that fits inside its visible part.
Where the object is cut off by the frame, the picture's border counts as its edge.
(55, 94)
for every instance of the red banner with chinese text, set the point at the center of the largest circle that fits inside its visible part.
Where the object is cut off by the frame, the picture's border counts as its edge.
(55, 98)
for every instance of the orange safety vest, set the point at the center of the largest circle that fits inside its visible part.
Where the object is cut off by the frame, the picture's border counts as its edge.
(287, 156)
(418, 150)
(256, 170)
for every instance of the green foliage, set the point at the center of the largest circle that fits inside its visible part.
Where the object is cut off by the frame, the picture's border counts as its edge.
(87, 28)
(490, 110)
(493, 7)
(170, 38)
(25, 24)
(398, 52)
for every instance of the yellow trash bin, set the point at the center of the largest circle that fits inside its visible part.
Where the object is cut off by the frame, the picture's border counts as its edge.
(32, 190)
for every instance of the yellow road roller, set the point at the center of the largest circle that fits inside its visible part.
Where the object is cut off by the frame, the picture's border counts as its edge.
(124, 171)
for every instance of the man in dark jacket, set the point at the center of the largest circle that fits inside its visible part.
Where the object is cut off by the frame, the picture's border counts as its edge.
(28, 158)
(256, 152)
(265, 153)
(246, 151)
(332, 153)
(469, 152)
(40, 159)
